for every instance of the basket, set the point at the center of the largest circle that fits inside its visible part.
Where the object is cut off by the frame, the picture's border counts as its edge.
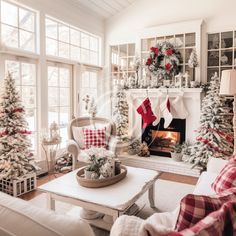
(99, 183)
(19, 186)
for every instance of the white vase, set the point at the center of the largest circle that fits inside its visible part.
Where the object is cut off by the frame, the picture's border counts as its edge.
(87, 174)
(176, 156)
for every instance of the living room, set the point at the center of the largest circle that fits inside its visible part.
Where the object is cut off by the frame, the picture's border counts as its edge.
(117, 117)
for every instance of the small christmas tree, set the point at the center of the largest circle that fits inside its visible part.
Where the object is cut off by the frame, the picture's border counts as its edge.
(120, 112)
(15, 157)
(215, 135)
(193, 62)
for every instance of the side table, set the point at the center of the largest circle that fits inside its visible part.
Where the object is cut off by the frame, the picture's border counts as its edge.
(53, 147)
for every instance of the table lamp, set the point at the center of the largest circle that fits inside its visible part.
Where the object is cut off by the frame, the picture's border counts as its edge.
(228, 87)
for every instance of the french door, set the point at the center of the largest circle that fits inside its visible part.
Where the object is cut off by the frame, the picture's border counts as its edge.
(24, 72)
(60, 97)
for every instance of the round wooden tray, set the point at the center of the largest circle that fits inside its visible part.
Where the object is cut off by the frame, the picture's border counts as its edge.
(99, 183)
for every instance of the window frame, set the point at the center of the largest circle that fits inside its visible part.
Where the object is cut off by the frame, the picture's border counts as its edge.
(70, 44)
(35, 33)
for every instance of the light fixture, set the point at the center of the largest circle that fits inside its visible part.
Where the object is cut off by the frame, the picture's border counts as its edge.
(228, 87)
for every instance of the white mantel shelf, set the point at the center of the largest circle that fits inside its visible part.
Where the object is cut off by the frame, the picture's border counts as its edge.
(158, 163)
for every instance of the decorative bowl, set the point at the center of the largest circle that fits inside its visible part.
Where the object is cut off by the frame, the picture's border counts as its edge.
(99, 183)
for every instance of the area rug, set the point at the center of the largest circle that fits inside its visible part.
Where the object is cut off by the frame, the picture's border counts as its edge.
(167, 197)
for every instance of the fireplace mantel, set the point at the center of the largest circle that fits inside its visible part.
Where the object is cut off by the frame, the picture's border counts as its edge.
(192, 100)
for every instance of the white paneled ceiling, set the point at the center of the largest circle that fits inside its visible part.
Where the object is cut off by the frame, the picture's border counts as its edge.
(103, 8)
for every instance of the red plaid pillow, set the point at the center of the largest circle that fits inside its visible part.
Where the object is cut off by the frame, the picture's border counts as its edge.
(217, 223)
(94, 137)
(227, 177)
(193, 208)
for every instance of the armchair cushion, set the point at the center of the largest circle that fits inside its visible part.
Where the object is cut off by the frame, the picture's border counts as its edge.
(94, 138)
(78, 133)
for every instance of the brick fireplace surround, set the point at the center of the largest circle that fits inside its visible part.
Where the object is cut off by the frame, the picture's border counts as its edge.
(192, 100)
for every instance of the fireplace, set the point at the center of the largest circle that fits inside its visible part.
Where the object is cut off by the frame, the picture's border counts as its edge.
(161, 140)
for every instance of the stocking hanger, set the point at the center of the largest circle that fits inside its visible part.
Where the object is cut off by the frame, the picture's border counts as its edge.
(147, 93)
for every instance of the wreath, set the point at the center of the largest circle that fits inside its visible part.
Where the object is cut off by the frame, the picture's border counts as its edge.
(164, 60)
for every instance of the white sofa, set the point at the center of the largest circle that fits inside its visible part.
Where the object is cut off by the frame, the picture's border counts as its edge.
(20, 218)
(135, 226)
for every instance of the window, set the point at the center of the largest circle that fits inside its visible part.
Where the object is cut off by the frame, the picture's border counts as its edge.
(88, 88)
(122, 62)
(59, 98)
(25, 75)
(66, 41)
(221, 52)
(18, 27)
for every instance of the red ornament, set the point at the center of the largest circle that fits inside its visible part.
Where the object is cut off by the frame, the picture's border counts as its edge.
(168, 66)
(155, 50)
(149, 62)
(169, 52)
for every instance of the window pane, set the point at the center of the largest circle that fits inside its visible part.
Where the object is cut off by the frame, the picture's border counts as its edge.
(84, 55)
(84, 41)
(85, 80)
(9, 14)
(93, 80)
(53, 97)
(64, 137)
(75, 53)
(29, 96)
(52, 76)
(64, 116)
(9, 36)
(26, 19)
(74, 37)
(51, 47)
(64, 77)
(93, 43)
(64, 50)
(26, 40)
(64, 97)
(28, 72)
(93, 58)
(31, 118)
(64, 33)
(53, 113)
(14, 68)
(51, 29)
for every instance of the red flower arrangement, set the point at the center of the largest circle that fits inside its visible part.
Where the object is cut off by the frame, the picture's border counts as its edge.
(164, 60)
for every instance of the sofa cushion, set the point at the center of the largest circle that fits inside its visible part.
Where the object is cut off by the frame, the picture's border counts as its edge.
(21, 218)
(94, 138)
(215, 165)
(78, 133)
(217, 223)
(227, 177)
(203, 186)
(193, 208)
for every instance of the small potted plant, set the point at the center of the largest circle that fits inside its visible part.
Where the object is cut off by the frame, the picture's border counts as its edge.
(176, 154)
(186, 150)
(100, 163)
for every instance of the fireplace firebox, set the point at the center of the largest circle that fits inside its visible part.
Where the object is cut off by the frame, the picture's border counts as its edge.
(160, 140)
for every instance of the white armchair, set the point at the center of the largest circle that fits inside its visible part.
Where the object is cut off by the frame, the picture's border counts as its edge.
(75, 144)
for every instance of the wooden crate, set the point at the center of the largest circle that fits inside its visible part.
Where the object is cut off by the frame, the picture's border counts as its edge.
(20, 186)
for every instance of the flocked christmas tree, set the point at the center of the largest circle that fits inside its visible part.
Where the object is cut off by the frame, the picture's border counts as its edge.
(120, 112)
(16, 158)
(215, 135)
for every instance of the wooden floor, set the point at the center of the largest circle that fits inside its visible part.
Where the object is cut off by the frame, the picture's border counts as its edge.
(164, 176)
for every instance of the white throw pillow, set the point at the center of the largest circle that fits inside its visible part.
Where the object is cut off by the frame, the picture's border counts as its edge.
(79, 135)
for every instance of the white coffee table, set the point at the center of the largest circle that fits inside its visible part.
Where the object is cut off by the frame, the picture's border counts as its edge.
(113, 200)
